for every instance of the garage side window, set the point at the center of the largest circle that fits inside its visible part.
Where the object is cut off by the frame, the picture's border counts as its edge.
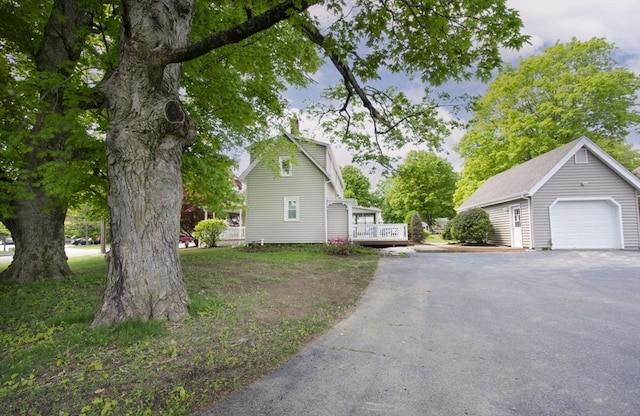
(291, 208)
(581, 156)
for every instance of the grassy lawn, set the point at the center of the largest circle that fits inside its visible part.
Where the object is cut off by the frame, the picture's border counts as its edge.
(250, 311)
(435, 238)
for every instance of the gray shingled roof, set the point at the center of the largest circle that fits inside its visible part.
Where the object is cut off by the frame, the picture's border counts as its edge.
(518, 180)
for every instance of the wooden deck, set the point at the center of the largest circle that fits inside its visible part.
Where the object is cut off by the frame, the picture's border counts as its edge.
(383, 243)
(380, 235)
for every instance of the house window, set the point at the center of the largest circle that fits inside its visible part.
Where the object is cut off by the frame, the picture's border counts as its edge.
(291, 208)
(581, 156)
(285, 165)
(364, 218)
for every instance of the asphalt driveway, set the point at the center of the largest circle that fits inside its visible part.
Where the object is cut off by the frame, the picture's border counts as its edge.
(526, 333)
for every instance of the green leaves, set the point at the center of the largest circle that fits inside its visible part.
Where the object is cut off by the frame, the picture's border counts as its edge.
(424, 183)
(235, 92)
(473, 225)
(402, 122)
(357, 186)
(27, 21)
(49, 140)
(209, 230)
(428, 40)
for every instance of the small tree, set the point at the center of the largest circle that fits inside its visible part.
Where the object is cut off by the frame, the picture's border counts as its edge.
(209, 230)
(472, 225)
(425, 182)
(357, 186)
(415, 227)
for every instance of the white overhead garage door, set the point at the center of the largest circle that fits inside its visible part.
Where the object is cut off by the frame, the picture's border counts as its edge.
(591, 224)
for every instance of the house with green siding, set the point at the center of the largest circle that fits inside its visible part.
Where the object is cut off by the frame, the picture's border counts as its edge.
(298, 202)
(295, 195)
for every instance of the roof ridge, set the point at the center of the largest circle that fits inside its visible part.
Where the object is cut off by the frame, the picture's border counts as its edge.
(519, 179)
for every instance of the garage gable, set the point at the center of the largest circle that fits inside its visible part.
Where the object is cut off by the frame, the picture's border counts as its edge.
(586, 205)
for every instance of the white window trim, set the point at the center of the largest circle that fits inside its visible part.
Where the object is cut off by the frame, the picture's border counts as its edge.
(287, 199)
(282, 159)
(578, 156)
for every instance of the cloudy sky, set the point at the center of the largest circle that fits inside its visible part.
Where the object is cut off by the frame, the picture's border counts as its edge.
(546, 22)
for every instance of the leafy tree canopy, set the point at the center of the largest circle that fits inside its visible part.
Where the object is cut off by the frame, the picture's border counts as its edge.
(424, 183)
(358, 186)
(234, 91)
(571, 90)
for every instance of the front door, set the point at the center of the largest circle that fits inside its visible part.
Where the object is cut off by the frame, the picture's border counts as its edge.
(516, 227)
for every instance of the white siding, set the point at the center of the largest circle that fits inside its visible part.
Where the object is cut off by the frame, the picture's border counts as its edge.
(586, 180)
(331, 192)
(338, 221)
(500, 217)
(316, 151)
(265, 213)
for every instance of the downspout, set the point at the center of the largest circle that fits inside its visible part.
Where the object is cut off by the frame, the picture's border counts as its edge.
(326, 209)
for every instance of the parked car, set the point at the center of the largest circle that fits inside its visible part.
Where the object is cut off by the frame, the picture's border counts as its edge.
(82, 241)
(9, 241)
(186, 239)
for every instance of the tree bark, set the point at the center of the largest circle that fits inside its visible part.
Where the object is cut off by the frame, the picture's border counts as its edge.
(146, 136)
(38, 233)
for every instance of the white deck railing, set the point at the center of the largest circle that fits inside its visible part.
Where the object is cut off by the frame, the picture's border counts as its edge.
(232, 233)
(379, 232)
(360, 232)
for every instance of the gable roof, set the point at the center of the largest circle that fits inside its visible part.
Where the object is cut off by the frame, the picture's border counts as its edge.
(294, 140)
(527, 178)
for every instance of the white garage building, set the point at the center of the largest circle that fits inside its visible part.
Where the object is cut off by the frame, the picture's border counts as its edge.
(573, 197)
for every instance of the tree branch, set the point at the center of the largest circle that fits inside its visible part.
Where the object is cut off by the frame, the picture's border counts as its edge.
(352, 84)
(239, 32)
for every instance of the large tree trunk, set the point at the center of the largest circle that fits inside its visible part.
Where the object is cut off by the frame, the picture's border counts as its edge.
(146, 136)
(38, 231)
(37, 220)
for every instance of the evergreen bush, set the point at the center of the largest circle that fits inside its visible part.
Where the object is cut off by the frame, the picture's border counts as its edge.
(415, 228)
(472, 226)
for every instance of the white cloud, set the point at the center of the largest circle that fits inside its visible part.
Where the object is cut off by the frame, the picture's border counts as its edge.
(551, 21)
(454, 138)
(533, 47)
